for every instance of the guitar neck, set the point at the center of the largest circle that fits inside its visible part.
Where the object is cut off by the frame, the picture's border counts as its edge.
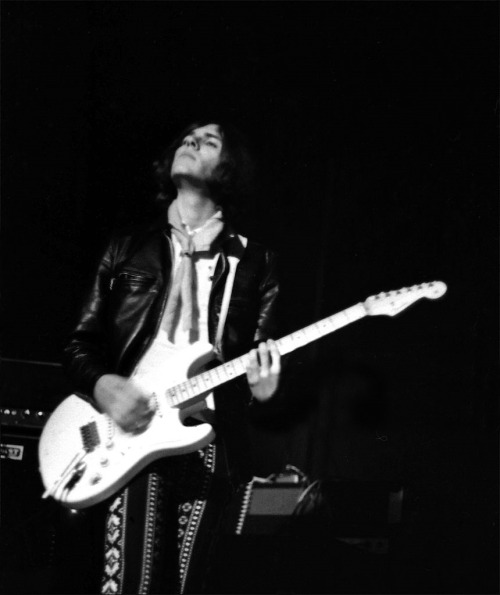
(184, 393)
(319, 329)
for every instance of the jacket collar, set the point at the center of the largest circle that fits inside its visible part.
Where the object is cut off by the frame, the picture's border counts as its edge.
(228, 241)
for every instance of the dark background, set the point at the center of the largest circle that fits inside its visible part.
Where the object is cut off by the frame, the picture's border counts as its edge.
(376, 125)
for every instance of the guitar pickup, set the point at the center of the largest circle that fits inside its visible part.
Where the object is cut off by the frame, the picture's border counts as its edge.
(90, 436)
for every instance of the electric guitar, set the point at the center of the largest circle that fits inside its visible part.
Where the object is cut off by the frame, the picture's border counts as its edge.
(85, 457)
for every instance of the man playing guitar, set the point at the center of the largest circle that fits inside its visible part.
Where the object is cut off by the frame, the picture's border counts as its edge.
(157, 293)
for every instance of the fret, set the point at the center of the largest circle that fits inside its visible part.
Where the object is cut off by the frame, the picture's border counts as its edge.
(183, 392)
(176, 395)
(299, 338)
(190, 389)
(216, 376)
(213, 379)
(201, 383)
(207, 378)
(244, 361)
(310, 333)
(179, 395)
(324, 326)
(239, 365)
(193, 384)
(230, 370)
(222, 373)
(170, 395)
(317, 329)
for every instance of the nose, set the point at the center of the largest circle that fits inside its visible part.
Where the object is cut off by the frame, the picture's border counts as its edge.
(191, 142)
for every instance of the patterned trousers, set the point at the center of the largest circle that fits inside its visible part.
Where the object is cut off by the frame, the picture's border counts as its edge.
(160, 531)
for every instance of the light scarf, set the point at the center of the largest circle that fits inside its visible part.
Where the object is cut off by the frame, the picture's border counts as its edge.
(183, 292)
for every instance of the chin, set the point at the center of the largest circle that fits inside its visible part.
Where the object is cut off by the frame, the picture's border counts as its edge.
(181, 170)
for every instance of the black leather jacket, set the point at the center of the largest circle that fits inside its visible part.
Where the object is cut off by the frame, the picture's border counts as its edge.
(123, 309)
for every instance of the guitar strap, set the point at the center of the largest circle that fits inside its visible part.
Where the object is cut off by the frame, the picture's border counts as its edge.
(233, 260)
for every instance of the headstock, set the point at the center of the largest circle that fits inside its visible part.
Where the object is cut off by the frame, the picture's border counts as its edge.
(393, 302)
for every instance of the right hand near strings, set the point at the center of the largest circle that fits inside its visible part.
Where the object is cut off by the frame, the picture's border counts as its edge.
(124, 402)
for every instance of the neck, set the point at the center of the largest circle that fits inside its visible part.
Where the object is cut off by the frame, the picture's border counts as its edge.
(195, 207)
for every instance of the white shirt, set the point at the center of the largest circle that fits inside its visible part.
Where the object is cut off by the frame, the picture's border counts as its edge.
(151, 368)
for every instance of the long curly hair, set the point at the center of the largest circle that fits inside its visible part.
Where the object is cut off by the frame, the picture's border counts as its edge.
(233, 178)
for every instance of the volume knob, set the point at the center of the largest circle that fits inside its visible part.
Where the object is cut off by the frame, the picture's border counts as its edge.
(96, 478)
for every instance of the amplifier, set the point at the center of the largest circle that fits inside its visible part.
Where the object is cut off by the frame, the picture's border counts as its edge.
(266, 507)
(29, 392)
(23, 418)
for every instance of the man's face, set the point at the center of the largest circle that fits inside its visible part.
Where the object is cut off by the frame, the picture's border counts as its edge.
(198, 155)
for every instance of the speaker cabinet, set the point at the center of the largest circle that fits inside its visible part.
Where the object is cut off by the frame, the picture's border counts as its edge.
(43, 545)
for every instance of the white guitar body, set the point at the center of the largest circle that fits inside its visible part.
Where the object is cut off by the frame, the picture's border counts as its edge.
(119, 455)
(85, 457)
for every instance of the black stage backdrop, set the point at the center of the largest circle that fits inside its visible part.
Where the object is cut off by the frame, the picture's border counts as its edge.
(376, 125)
